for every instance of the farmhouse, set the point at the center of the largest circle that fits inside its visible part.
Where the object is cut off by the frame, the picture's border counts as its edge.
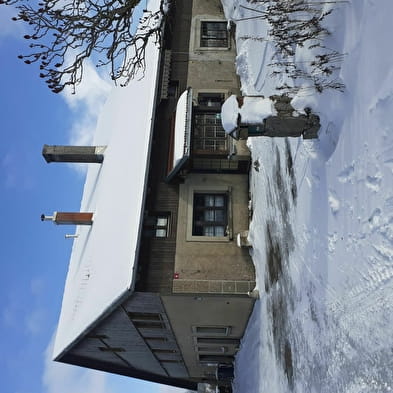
(157, 285)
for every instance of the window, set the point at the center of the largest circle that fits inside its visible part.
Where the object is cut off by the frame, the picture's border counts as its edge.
(210, 215)
(149, 325)
(212, 349)
(214, 35)
(211, 330)
(211, 100)
(157, 225)
(216, 359)
(173, 89)
(159, 350)
(156, 339)
(218, 341)
(111, 349)
(142, 320)
(208, 135)
(144, 316)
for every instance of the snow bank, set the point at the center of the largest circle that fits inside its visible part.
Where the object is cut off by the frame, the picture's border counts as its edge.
(322, 227)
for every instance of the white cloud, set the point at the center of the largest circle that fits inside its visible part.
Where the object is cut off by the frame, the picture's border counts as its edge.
(64, 378)
(85, 106)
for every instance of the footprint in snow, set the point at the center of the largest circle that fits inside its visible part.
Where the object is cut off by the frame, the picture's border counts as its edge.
(346, 175)
(374, 182)
(374, 219)
(334, 202)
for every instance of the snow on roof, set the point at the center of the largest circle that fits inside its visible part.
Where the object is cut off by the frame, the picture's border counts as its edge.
(104, 255)
(182, 132)
(181, 125)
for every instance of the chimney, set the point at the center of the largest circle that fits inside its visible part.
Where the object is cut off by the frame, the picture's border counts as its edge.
(81, 154)
(69, 218)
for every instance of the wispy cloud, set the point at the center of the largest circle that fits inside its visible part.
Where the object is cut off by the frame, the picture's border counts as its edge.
(37, 286)
(63, 378)
(85, 106)
(35, 320)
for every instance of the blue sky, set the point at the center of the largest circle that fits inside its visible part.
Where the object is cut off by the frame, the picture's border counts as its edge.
(34, 255)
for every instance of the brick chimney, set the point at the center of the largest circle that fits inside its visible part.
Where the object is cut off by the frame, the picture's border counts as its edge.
(69, 218)
(81, 154)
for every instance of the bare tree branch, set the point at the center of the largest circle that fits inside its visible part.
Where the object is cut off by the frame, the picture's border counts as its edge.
(67, 32)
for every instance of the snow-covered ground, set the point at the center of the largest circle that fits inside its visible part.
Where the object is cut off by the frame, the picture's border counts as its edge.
(322, 226)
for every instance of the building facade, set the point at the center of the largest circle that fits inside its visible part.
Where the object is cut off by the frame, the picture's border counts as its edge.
(181, 307)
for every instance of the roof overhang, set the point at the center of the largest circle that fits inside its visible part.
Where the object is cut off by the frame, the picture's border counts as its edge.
(182, 133)
(104, 255)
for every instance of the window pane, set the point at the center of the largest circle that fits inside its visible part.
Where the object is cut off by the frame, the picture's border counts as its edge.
(209, 200)
(162, 221)
(208, 231)
(209, 215)
(157, 225)
(160, 232)
(219, 215)
(219, 200)
(219, 231)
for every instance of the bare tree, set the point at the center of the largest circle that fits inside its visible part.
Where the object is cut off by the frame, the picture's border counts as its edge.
(67, 32)
(299, 23)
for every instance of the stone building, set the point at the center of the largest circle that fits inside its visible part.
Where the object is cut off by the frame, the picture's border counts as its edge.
(157, 286)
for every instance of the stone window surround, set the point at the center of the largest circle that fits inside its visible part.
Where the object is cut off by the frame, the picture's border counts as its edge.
(196, 92)
(195, 36)
(190, 213)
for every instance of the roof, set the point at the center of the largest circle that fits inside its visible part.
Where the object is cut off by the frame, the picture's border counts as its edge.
(101, 269)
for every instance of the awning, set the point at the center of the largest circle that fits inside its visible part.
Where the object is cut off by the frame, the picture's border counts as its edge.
(182, 133)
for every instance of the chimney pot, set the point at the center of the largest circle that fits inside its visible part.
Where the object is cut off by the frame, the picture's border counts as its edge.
(47, 218)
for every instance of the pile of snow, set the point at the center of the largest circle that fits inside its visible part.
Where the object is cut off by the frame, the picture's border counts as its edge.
(253, 111)
(322, 226)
